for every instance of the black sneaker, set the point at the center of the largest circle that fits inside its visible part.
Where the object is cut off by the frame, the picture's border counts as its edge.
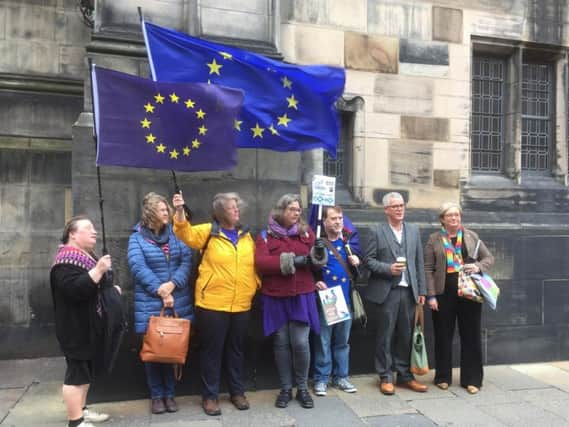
(305, 399)
(283, 398)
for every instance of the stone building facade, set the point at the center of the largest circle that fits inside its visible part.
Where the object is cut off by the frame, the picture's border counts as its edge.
(444, 100)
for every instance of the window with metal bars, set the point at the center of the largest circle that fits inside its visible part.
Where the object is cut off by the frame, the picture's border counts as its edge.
(487, 113)
(337, 167)
(537, 95)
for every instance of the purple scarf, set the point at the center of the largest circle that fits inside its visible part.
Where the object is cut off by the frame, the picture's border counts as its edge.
(280, 231)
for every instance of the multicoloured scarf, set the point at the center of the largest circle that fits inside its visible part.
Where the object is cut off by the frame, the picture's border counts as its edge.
(67, 254)
(453, 253)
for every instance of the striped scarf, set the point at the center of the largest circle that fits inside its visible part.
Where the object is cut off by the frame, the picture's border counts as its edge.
(453, 253)
(67, 254)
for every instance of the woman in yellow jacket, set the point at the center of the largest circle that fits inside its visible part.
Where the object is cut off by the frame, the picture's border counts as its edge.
(225, 288)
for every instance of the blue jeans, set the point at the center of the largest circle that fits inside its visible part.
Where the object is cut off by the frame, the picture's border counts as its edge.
(160, 379)
(332, 351)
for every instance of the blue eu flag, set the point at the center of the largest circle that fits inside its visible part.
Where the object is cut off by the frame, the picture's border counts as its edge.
(179, 126)
(286, 107)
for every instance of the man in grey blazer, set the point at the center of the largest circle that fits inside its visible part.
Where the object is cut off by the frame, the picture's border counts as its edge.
(394, 257)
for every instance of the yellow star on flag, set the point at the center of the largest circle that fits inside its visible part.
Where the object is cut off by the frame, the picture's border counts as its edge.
(200, 114)
(190, 104)
(145, 123)
(214, 67)
(196, 143)
(202, 130)
(174, 154)
(286, 82)
(149, 108)
(186, 150)
(150, 138)
(174, 98)
(292, 102)
(283, 120)
(273, 130)
(161, 148)
(257, 131)
(159, 99)
(237, 124)
(226, 55)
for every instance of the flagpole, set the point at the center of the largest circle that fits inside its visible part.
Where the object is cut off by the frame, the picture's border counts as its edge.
(177, 188)
(99, 186)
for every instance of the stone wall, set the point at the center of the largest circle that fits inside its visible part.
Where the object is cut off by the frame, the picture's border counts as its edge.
(410, 62)
(41, 94)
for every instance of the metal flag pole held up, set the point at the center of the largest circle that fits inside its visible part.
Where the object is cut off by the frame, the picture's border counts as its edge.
(99, 186)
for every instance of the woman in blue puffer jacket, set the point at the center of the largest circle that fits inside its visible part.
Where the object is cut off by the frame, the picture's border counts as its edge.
(160, 266)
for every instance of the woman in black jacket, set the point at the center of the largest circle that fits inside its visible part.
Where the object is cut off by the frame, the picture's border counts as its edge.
(77, 280)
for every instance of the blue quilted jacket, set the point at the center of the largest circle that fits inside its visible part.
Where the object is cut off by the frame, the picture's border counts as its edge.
(150, 268)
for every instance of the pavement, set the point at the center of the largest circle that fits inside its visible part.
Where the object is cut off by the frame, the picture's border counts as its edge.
(513, 395)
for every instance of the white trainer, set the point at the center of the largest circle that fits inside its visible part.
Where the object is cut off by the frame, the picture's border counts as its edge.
(91, 416)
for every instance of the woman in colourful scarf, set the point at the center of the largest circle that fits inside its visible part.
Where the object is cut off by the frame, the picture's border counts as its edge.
(77, 279)
(449, 250)
(160, 266)
(286, 255)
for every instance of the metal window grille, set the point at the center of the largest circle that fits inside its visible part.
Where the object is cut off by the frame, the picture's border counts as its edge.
(335, 167)
(487, 114)
(536, 116)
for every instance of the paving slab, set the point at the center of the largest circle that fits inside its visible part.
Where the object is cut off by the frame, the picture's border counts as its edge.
(561, 365)
(489, 394)
(523, 414)
(22, 372)
(8, 398)
(330, 411)
(553, 400)
(551, 375)
(41, 404)
(457, 413)
(507, 378)
(405, 420)
(369, 401)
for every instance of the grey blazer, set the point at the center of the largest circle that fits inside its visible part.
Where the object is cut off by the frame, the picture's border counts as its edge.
(435, 259)
(381, 252)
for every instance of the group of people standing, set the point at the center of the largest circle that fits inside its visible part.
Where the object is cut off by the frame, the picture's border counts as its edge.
(287, 264)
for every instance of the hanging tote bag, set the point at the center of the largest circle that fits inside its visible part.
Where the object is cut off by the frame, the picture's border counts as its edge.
(488, 288)
(359, 312)
(359, 309)
(467, 287)
(419, 361)
(166, 339)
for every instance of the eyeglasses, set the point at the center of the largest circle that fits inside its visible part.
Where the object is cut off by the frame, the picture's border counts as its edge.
(400, 206)
(294, 209)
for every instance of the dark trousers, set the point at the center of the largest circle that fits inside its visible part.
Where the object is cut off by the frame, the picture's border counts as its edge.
(222, 340)
(395, 318)
(292, 354)
(468, 314)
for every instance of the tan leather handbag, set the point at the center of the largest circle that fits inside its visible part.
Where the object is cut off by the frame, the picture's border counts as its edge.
(166, 339)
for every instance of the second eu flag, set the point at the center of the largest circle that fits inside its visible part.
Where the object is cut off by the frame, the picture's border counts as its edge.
(158, 125)
(286, 107)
